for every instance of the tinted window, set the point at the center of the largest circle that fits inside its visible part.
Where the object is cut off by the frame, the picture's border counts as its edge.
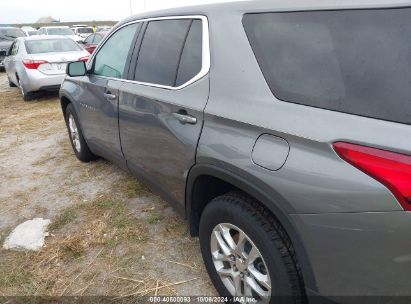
(191, 58)
(85, 30)
(111, 59)
(161, 50)
(353, 61)
(51, 46)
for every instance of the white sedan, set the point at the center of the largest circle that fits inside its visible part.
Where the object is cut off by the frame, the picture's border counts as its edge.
(39, 63)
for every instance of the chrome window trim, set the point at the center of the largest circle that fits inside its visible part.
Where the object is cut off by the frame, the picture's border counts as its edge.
(206, 57)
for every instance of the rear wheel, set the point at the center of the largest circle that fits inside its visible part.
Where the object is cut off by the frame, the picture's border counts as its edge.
(11, 84)
(77, 140)
(247, 253)
(26, 95)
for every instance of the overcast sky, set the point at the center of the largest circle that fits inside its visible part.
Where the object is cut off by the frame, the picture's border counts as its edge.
(27, 11)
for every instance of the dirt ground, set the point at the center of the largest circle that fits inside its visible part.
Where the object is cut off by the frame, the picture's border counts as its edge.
(109, 234)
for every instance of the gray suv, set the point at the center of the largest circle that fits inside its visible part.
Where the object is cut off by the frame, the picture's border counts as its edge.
(280, 130)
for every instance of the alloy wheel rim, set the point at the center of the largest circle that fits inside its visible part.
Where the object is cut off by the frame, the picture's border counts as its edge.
(75, 139)
(239, 264)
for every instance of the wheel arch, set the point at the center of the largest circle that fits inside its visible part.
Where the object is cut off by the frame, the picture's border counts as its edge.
(205, 182)
(64, 102)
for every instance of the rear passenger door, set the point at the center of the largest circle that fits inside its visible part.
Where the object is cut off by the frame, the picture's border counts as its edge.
(161, 108)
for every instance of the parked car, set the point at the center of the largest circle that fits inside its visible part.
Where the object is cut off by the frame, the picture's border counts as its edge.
(7, 36)
(103, 28)
(79, 25)
(32, 33)
(280, 130)
(83, 31)
(92, 41)
(29, 31)
(38, 63)
(59, 31)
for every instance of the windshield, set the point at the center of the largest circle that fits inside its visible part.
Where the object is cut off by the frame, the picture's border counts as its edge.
(11, 33)
(51, 46)
(351, 61)
(60, 31)
(85, 30)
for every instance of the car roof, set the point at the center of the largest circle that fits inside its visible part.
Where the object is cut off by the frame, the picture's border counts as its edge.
(55, 26)
(9, 27)
(258, 6)
(49, 37)
(81, 27)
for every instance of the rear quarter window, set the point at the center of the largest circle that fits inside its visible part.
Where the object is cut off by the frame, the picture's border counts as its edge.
(351, 61)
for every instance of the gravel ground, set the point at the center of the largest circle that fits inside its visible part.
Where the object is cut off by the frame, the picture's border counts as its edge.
(109, 234)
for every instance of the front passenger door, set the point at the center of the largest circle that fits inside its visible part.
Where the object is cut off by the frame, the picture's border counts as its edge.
(99, 103)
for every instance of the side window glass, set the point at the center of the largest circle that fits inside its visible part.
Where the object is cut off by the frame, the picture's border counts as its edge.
(97, 39)
(111, 59)
(161, 50)
(15, 48)
(191, 58)
(89, 39)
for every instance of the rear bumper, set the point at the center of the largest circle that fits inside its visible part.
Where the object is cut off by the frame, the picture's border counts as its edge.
(358, 254)
(36, 81)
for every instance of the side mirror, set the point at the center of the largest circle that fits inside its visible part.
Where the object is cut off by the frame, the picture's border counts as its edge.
(76, 69)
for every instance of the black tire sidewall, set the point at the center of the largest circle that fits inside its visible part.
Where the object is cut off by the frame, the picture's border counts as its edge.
(222, 211)
(26, 96)
(85, 154)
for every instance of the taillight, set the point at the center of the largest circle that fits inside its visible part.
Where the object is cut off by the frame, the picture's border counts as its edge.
(33, 64)
(85, 58)
(390, 168)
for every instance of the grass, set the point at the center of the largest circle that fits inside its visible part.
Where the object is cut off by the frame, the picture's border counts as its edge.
(66, 217)
(154, 218)
(100, 225)
(130, 187)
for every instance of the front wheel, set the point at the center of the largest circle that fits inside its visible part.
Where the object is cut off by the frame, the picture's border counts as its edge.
(77, 140)
(247, 253)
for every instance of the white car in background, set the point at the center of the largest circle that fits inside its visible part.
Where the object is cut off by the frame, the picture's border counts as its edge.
(83, 31)
(29, 31)
(38, 63)
(59, 31)
(103, 28)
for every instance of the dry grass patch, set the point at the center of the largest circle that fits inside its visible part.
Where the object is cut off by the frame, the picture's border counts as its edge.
(130, 187)
(86, 248)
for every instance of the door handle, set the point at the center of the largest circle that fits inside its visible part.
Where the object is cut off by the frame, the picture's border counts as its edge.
(184, 118)
(109, 96)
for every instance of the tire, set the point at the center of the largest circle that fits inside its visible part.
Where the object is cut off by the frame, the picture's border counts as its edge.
(79, 145)
(27, 96)
(240, 214)
(11, 84)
